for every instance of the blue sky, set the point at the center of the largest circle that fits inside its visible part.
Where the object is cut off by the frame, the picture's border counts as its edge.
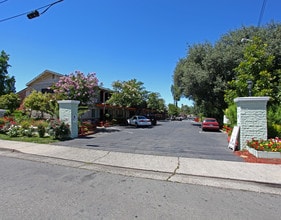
(119, 40)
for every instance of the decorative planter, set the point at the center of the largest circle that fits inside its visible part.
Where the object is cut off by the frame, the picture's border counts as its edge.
(264, 154)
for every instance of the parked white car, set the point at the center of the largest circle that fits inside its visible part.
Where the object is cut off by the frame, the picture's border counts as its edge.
(139, 120)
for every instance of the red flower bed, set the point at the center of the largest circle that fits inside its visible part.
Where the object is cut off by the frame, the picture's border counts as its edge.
(271, 145)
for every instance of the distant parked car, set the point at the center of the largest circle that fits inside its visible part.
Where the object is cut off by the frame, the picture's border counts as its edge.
(210, 124)
(139, 120)
(176, 118)
(179, 118)
(152, 119)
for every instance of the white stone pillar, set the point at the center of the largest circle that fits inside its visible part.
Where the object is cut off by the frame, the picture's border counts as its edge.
(251, 118)
(68, 113)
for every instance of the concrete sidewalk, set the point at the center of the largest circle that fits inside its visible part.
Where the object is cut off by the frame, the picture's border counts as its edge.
(225, 174)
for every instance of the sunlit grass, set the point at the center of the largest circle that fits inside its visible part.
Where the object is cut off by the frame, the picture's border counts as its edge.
(34, 139)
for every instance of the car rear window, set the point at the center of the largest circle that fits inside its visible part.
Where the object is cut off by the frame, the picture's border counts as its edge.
(210, 120)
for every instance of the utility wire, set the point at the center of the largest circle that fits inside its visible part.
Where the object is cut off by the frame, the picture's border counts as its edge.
(262, 12)
(3, 1)
(49, 6)
(25, 13)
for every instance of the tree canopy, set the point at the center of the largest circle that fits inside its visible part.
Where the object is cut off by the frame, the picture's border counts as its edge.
(132, 93)
(154, 102)
(10, 101)
(257, 67)
(38, 101)
(212, 74)
(7, 83)
(78, 86)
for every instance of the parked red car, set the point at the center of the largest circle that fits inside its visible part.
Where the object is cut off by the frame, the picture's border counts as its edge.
(210, 124)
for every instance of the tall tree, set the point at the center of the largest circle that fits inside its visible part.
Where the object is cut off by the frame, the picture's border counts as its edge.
(206, 70)
(154, 102)
(10, 101)
(173, 110)
(78, 86)
(7, 83)
(130, 93)
(256, 66)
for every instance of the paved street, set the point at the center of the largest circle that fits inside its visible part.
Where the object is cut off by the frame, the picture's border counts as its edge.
(167, 138)
(36, 190)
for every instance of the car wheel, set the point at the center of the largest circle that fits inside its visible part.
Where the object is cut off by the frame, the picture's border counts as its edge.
(136, 125)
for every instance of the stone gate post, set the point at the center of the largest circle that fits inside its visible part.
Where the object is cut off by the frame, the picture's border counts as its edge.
(68, 113)
(251, 118)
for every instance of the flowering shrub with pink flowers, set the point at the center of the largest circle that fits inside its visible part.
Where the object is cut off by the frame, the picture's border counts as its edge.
(270, 145)
(77, 86)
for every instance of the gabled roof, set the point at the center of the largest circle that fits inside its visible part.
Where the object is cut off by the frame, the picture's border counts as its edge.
(42, 74)
(105, 89)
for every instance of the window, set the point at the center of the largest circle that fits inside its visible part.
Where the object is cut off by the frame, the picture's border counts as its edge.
(45, 90)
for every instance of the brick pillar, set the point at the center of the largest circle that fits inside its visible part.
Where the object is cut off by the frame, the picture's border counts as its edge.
(251, 118)
(68, 113)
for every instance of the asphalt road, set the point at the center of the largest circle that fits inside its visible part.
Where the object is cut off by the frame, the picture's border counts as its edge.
(35, 190)
(167, 138)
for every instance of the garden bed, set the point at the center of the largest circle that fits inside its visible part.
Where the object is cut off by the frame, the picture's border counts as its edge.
(250, 158)
(264, 154)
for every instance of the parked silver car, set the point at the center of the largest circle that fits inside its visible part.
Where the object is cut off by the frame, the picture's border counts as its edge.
(139, 120)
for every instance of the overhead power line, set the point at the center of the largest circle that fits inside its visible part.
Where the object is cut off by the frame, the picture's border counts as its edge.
(261, 12)
(32, 14)
(3, 1)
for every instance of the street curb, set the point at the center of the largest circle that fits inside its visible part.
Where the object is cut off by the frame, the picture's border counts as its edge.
(9, 149)
(211, 181)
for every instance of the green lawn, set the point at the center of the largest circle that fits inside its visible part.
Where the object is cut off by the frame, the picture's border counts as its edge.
(45, 140)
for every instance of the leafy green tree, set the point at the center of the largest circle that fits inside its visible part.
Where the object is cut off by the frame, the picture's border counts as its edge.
(176, 94)
(7, 83)
(155, 103)
(173, 110)
(130, 93)
(38, 101)
(257, 66)
(161, 106)
(204, 73)
(10, 101)
(187, 110)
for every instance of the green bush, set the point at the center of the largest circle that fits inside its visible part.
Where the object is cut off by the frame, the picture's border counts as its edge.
(19, 116)
(13, 131)
(2, 121)
(27, 132)
(25, 124)
(41, 130)
(231, 114)
(274, 121)
(59, 130)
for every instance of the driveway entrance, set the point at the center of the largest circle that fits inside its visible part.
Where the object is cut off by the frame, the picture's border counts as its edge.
(167, 138)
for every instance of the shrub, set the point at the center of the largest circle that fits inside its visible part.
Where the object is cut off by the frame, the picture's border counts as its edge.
(59, 130)
(28, 132)
(25, 125)
(2, 121)
(41, 130)
(231, 114)
(13, 131)
(274, 121)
